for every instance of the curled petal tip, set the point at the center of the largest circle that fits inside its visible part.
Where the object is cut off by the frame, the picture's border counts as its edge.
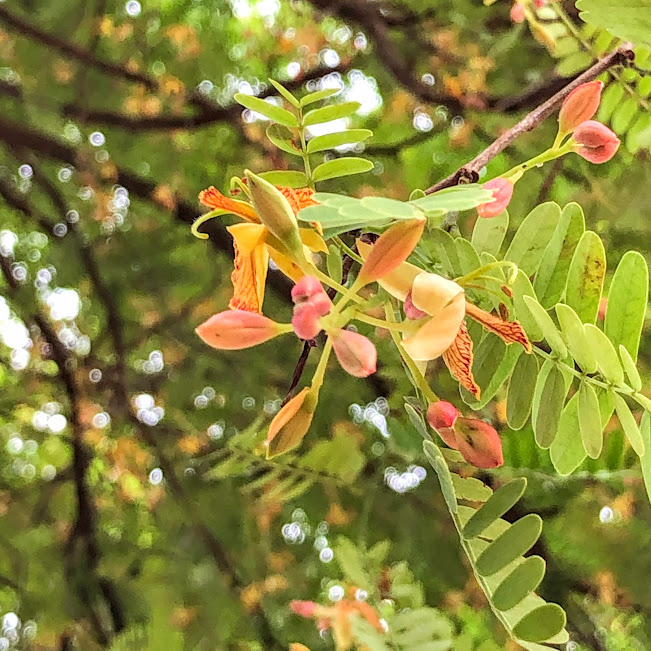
(502, 190)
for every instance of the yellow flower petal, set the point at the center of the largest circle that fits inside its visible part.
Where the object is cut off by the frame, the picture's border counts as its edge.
(250, 269)
(438, 333)
(431, 293)
(313, 240)
(289, 268)
(398, 283)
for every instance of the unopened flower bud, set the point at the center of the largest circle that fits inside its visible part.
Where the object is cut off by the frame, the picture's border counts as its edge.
(356, 353)
(291, 423)
(580, 105)
(275, 212)
(502, 192)
(237, 329)
(540, 3)
(442, 414)
(302, 608)
(306, 321)
(517, 12)
(391, 249)
(309, 290)
(479, 443)
(595, 142)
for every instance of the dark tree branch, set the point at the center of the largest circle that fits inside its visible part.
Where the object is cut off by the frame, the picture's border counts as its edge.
(369, 16)
(21, 26)
(470, 171)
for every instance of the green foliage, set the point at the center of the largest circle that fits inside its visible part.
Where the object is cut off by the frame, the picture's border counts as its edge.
(630, 22)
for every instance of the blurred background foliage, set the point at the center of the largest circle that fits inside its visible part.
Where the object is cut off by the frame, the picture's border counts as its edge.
(136, 511)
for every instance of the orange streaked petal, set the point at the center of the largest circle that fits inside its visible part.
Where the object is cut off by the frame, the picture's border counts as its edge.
(213, 198)
(510, 331)
(458, 358)
(249, 278)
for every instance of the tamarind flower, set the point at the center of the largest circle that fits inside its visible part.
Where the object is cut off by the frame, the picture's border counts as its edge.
(502, 193)
(580, 105)
(254, 243)
(441, 306)
(476, 440)
(595, 142)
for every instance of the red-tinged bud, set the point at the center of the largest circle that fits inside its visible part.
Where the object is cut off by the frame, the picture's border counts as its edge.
(356, 353)
(305, 289)
(517, 12)
(540, 3)
(479, 443)
(237, 329)
(291, 423)
(441, 415)
(502, 192)
(391, 249)
(411, 311)
(306, 321)
(595, 142)
(321, 303)
(580, 105)
(302, 608)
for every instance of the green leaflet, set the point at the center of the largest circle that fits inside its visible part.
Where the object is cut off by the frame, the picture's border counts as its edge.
(285, 93)
(286, 178)
(541, 624)
(332, 140)
(329, 113)
(467, 256)
(605, 354)
(267, 109)
(551, 277)
(630, 21)
(590, 420)
(634, 379)
(470, 489)
(575, 338)
(514, 542)
(548, 414)
(585, 278)
(437, 462)
(460, 197)
(334, 263)
(533, 236)
(549, 329)
(629, 425)
(645, 459)
(627, 302)
(345, 166)
(284, 143)
(319, 95)
(495, 507)
(521, 391)
(443, 249)
(494, 360)
(391, 208)
(525, 578)
(351, 562)
(522, 287)
(567, 452)
(488, 234)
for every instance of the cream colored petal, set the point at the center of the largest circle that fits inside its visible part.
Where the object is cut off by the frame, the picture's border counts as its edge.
(398, 283)
(438, 333)
(431, 293)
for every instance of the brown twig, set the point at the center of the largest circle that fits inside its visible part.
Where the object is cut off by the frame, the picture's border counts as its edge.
(469, 173)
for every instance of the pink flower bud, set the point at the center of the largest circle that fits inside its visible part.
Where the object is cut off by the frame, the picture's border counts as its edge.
(237, 329)
(321, 303)
(411, 311)
(442, 415)
(517, 12)
(580, 105)
(355, 352)
(302, 608)
(479, 443)
(502, 192)
(290, 425)
(305, 321)
(540, 3)
(305, 289)
(595, 142)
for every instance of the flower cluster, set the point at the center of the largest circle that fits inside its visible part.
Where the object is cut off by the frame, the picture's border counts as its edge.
(577, 132)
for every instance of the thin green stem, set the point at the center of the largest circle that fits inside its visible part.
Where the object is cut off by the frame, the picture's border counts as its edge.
(304, 155)
(419, 379)
(538, 161)
(381, 323)
(326, 280)
(462, 280)
(317, 380)
(347, 250)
